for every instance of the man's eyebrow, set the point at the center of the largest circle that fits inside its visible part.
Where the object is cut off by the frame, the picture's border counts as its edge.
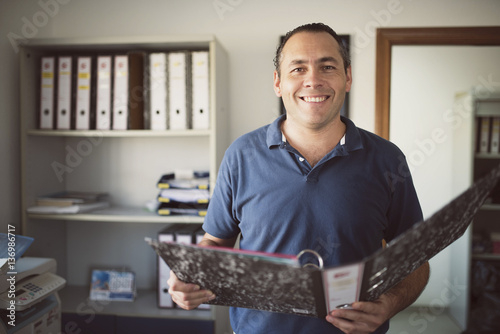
(319, 61)
(297, 62)
(328, 59)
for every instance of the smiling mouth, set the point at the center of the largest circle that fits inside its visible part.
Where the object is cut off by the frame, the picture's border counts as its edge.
(314, 99)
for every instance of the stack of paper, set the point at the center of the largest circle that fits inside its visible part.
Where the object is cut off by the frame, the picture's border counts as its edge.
(183, 193)
(68, 202)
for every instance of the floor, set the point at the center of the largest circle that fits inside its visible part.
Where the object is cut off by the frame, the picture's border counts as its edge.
(415, 320)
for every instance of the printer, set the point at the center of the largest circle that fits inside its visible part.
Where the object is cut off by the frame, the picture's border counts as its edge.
(29, 302)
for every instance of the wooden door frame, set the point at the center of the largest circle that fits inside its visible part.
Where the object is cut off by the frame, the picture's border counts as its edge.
(389, 37)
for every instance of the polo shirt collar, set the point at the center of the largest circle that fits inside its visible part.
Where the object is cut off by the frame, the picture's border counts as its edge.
(352, 138)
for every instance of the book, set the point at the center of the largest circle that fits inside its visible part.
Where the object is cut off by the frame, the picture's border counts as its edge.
(112, 285)
(69, 198)
(71, 209)
(277, 283)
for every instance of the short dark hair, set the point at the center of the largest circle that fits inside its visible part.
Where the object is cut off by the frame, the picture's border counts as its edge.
(313, 27)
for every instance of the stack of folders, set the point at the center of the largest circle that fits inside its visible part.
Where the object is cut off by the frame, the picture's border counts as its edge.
(181, 233)
(488, 135)
(133, 90)
(183, 193)
(70, 202)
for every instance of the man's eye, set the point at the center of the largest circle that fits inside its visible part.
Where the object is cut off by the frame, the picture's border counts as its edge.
(329, 67)
(298, 69)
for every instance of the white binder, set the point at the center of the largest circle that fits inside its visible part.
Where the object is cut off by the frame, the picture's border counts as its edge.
(177, 86)
(120, 90)
(83, 89)
(484, 137)
(47, 93)
(158, 91)
(64, 97)
(103, 96)
(201, 90)
(495, 135)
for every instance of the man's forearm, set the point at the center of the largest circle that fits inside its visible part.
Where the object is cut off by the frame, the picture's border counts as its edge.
(209, 240)
(408, 290)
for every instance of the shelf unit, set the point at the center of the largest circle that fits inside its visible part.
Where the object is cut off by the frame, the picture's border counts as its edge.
(484, 262)
(486, 107)
(469, 165)
(126, 164)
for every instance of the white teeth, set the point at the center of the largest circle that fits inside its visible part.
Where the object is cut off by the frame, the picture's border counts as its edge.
(314, 99)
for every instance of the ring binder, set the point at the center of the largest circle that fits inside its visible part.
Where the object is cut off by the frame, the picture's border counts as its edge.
(316, 254)
(228, 272)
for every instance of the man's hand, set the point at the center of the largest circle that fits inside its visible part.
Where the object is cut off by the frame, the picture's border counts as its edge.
(190, 296)
(187, 296)
(364, 317)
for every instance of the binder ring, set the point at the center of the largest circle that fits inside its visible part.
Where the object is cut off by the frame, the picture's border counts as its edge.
(316, 254)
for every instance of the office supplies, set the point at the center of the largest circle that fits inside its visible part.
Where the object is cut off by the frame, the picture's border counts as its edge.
(120, 93)
(264, 281)
(158, 91)
(35, 280)
(83, 93)
(136, 90)
(178, 85)
(184, 195)
(103, 93)
(22, 243)
(36, 300)
(68, 198)
(485, 134)
(199, 183)
(184, 179)
(200, 90)
(177, 208)
(495, 135)
(183, 233)
(112, 285)
(71, 209)
(64, 93)
(47, 93)
(33, 290)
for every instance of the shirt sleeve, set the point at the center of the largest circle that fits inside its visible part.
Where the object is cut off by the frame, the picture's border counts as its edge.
(220, 220)
(404, 210)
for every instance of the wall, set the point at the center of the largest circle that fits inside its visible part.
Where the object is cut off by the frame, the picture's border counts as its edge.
(427, 127)
(249, 30)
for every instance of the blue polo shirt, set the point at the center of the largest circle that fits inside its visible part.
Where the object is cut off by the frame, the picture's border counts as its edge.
(358, 194)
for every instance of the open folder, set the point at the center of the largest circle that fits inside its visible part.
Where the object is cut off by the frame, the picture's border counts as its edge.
(277, 283)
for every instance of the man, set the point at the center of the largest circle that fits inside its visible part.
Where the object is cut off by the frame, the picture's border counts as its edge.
(312, 179)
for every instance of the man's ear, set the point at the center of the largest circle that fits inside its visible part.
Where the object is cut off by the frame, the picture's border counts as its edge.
(348, 79)
(276, 85)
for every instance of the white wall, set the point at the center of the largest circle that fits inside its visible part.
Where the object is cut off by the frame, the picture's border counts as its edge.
(424, 123)
(249, 31)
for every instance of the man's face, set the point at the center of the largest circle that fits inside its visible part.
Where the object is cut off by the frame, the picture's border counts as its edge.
(313, 81)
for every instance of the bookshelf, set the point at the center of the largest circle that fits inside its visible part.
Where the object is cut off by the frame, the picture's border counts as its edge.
(469, 164)
(125, 163)
(486, 156)
(485, 257)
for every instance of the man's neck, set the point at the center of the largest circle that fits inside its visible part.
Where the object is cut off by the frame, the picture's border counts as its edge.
(313, 143)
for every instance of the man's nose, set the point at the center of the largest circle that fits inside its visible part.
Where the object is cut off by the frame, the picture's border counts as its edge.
(313, 79)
